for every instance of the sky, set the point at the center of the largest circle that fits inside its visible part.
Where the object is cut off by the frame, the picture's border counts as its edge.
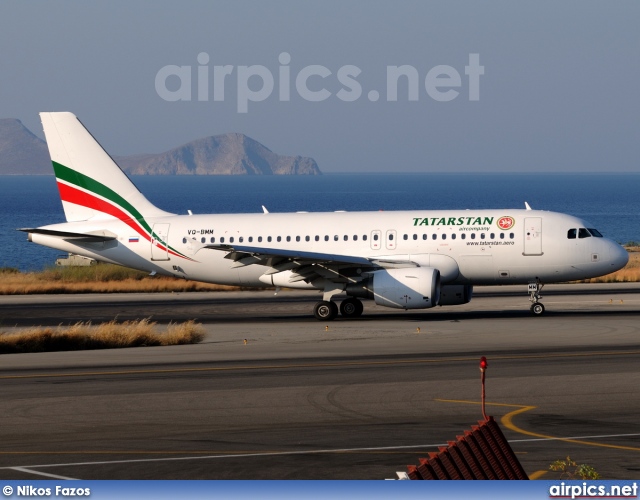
(496, 86)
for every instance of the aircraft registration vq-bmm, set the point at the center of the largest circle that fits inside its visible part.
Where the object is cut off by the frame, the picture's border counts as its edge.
(401, 259)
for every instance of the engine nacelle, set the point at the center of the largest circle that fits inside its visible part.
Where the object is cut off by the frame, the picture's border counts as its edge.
(454, 295)
(405, 288)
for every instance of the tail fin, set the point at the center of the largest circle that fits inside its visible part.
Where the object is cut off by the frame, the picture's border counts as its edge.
(91, 184)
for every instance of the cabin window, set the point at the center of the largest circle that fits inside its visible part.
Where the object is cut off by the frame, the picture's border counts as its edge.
(405, 237)
(444, 236)
(184, 240)
(434, 236)
(364, 237)
(307, 238)
(583, 233)
(415, 236)
(492, 236)
(231, 240)
(222, 239)
(473, 236)
(326, 237)
(297, 238)
(463, 236)
(259, 239)
(502, 236)
(390, 236)
(424, 236)
(203, 239)
(279, 239)
(453, 236)
(241, 239)
(355, 237)
(512, 235)
(269, 238)
(346, 238)
(336, 237)
(250, 239)
(375, 237)
(317, 238)
(482, 236)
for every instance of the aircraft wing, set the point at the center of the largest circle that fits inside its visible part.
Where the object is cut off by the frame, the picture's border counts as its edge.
(305, 266)
(237, 252)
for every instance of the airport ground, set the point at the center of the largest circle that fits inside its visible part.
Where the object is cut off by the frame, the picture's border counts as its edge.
(301, 399)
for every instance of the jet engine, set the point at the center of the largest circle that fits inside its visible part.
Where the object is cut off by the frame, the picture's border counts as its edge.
(405, 288)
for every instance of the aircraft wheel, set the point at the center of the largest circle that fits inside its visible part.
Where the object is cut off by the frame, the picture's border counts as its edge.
(351, 308)
(325, 310)
(537, 309)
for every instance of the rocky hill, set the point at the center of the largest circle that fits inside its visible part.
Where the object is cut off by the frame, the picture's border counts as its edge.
(21, 152)
(227, 154)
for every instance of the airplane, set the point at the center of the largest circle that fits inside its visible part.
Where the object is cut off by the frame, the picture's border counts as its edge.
(400, 259)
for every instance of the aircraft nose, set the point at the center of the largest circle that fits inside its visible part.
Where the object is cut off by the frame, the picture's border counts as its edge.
(618, 256)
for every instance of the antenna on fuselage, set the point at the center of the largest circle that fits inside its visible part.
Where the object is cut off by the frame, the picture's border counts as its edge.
(264, 209)
(526, 205)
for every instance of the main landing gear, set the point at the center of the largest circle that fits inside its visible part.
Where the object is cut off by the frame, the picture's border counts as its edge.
(537, 309)
(351, 308)
(327, 310)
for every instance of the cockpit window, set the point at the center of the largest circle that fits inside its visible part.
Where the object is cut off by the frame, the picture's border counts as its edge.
(595, 233)
(583, 233)
(572, 234)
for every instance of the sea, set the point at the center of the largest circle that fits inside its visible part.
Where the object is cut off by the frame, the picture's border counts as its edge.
(608, 202)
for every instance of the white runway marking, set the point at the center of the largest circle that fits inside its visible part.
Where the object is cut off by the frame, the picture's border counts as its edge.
(286, 453)
(38, 473)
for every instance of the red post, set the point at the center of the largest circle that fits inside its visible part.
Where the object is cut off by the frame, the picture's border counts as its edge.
(483, 367)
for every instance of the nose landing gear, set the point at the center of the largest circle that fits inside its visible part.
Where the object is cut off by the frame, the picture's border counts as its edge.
(537, 309)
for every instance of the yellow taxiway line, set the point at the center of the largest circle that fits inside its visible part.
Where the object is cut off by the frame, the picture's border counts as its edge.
(507, 421)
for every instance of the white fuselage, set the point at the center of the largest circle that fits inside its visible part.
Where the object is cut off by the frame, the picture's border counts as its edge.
(467, 246)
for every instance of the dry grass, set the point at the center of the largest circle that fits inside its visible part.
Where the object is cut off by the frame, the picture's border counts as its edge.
(109, 278)
(629, 273)
(103, 278)
(109, 335)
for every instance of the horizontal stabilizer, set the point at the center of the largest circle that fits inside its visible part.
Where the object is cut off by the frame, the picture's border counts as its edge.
(91, 237)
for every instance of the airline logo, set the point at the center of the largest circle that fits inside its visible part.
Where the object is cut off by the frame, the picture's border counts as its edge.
(453, 221)
(506, 222)
(83, 190)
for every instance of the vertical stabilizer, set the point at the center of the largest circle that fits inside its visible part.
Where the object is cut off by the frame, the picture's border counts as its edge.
(91, 184)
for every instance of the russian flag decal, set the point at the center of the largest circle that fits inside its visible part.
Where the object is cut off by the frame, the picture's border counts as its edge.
(134, 239)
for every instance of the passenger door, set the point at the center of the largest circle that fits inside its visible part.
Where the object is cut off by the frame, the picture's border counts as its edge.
(160, 236)
(532, 236)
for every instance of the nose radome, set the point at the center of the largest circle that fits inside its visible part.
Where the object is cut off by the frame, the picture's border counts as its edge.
(618, 256)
